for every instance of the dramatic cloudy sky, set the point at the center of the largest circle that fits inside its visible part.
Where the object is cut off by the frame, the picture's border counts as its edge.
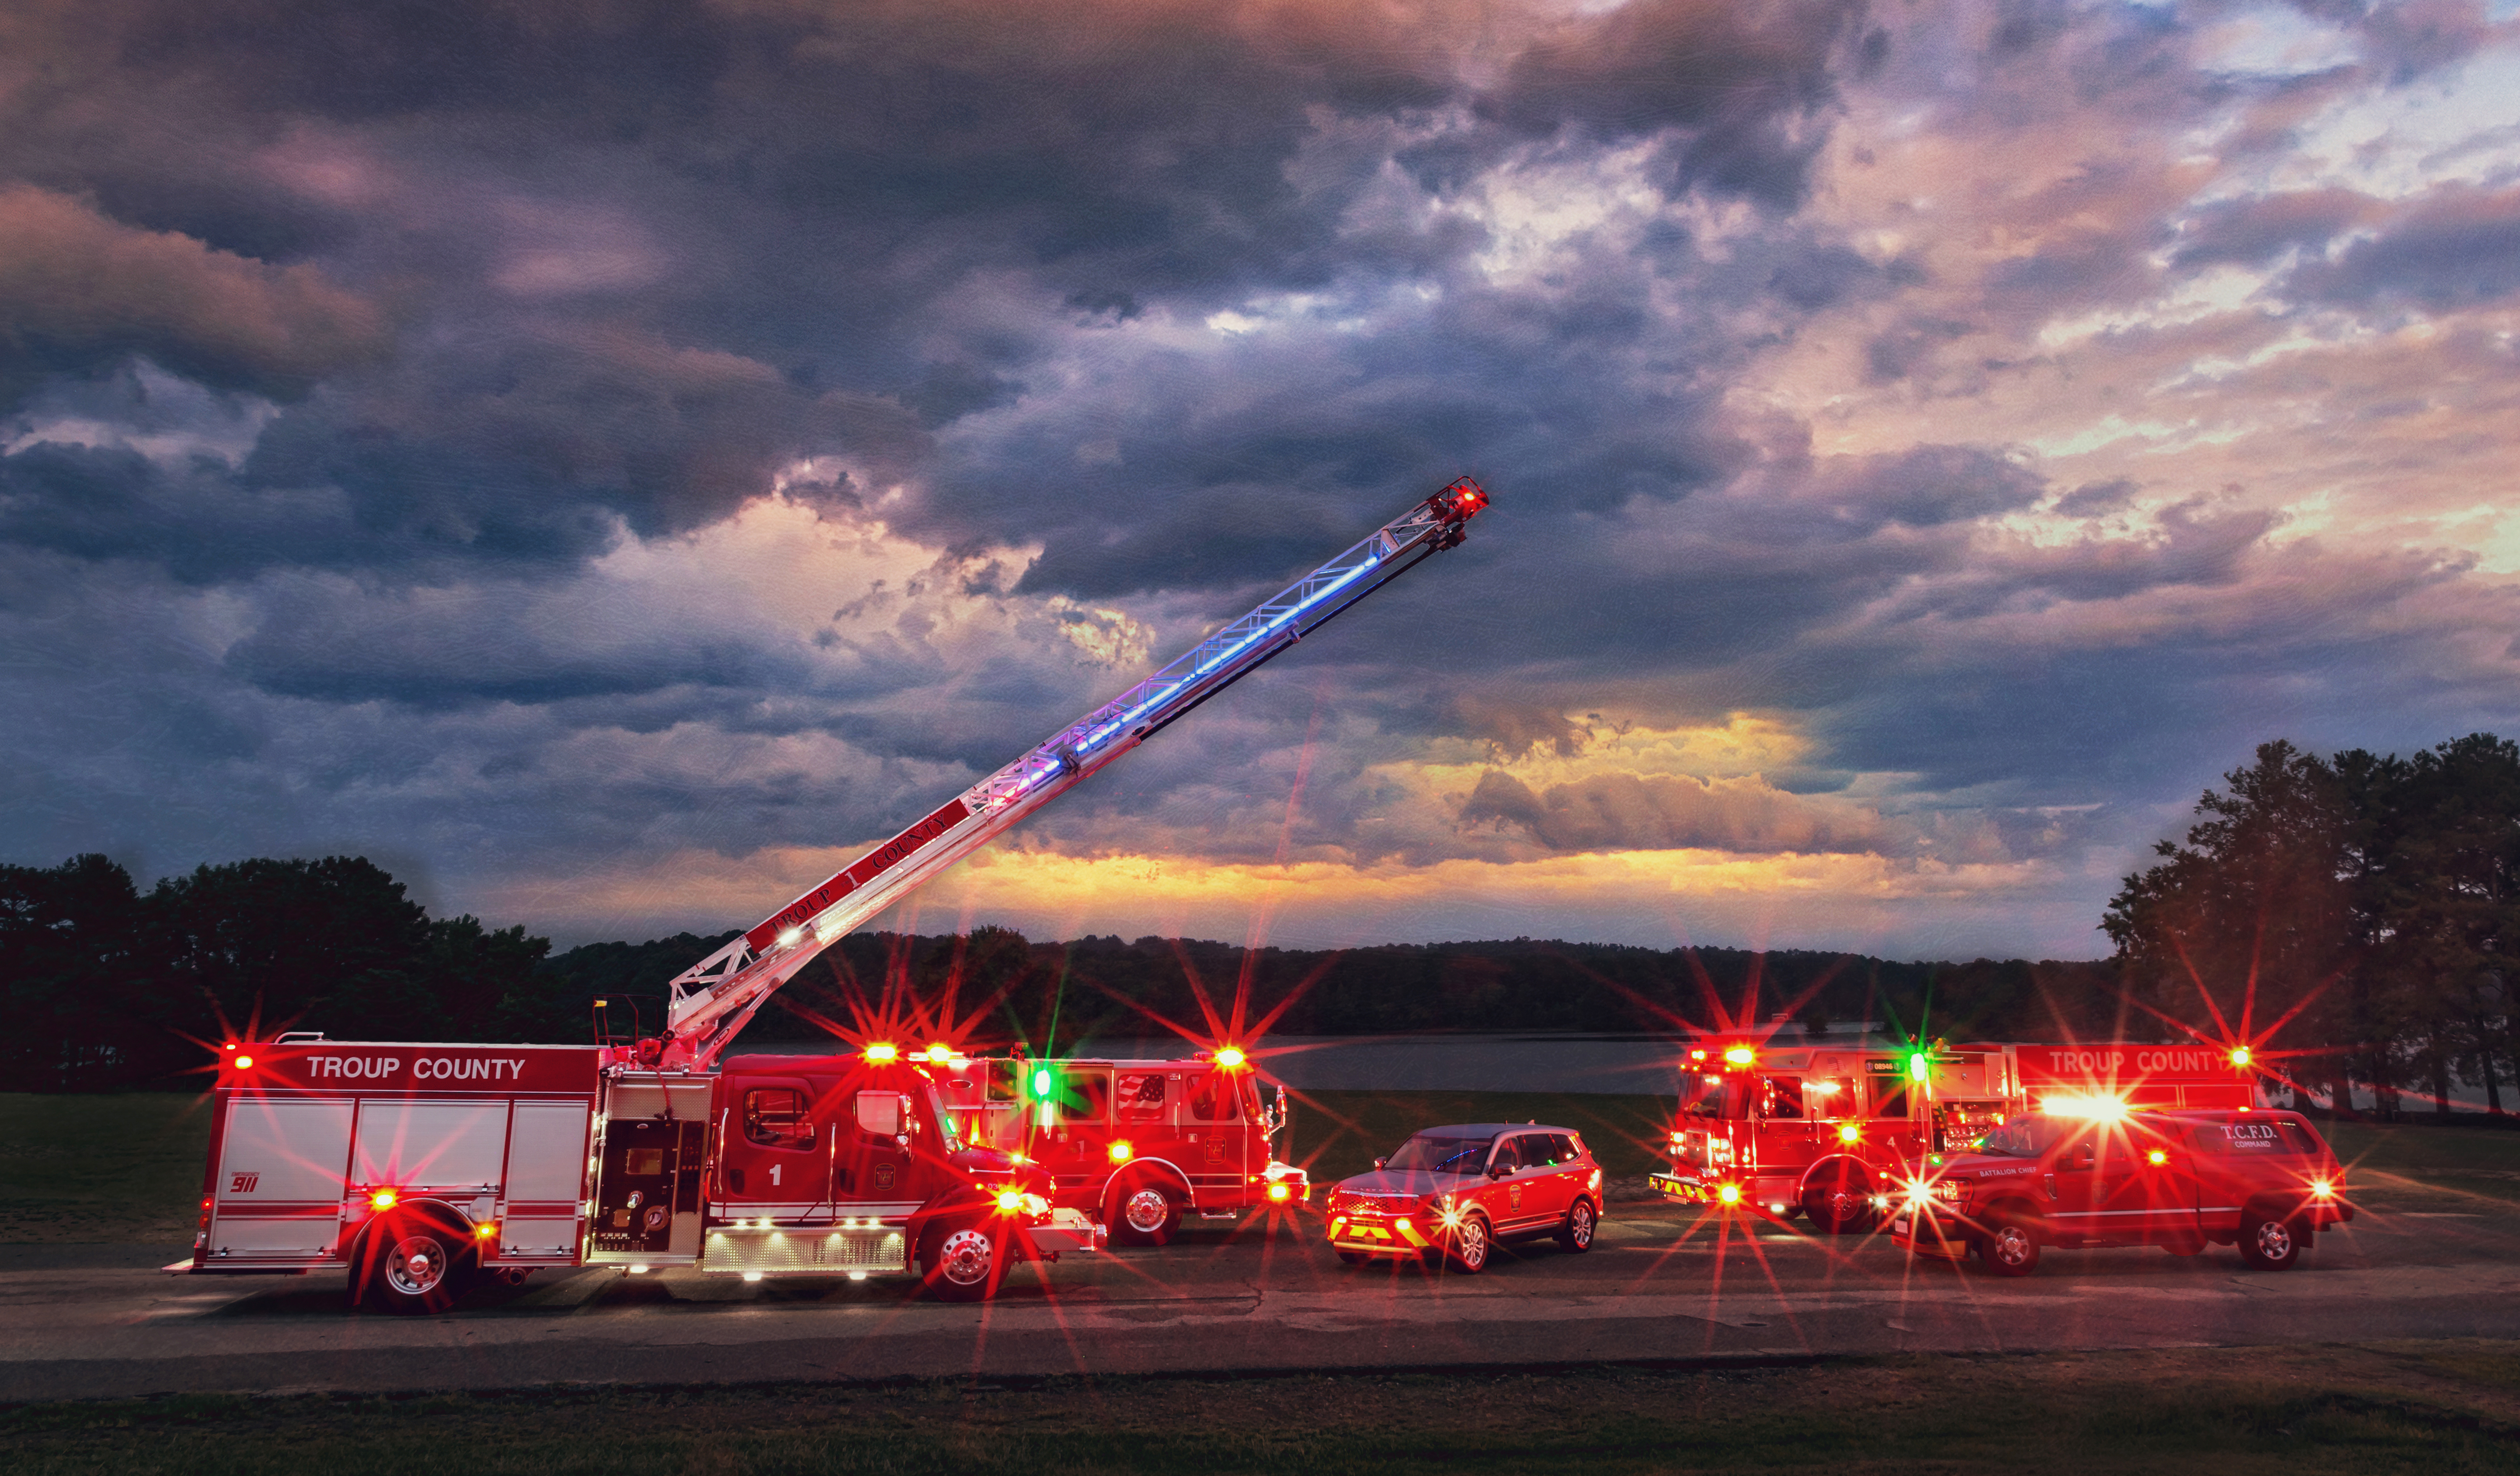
(609, 460)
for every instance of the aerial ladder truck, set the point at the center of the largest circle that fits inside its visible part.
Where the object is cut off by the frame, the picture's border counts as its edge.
(419, 1168)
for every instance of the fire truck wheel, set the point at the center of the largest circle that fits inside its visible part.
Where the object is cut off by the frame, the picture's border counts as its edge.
(1840, 1206)
(1575, 1236)
(2269, 1242)
(1468, 1248)
(1145, 1215)
(961, 1265)
(2010, 1249)
(413, 1265)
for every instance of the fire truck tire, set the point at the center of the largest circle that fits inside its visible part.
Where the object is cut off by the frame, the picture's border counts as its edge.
(1469, 1246)
(413, 1264)
(1144, 1213)
(1840, 1204)
(961, 1264)
(2271, 1243)
(2007, 1248)
(1575, 1236)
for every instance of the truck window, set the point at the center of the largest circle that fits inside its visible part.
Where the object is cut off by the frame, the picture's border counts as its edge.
(1831, 1096)
(775, 1117)
(1781, 1097)
(1889, 1098)
(1211, 1099)
(1081, 1097)
(1710, 1095)
(1509, 1156)
(883, 1113)
(1004, 1077)
(1140, 1097)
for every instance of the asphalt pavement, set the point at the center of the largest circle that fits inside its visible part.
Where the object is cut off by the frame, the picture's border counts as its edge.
(1661, 1284)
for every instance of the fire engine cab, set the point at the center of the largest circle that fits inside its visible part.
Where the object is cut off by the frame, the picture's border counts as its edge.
(416, 1167)
(1136, 1143)
(1829, 1132)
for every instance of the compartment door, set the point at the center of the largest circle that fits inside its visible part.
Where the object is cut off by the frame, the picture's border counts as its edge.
(546, 1182)
(278, 1187)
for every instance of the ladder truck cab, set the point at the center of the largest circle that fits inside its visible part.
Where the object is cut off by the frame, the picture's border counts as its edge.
(1136, 1143)
(418, 1167)
(1829, 1132)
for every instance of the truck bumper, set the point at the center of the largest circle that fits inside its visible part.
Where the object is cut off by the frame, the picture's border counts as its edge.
(1066, 1229)
(1919, 1233)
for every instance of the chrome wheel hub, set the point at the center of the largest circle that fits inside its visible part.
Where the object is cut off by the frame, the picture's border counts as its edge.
(1146, 1211)
(416, 1265)
(965, 1257)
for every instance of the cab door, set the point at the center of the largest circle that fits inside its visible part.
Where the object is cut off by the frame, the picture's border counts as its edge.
(772, 1160)
(1215, 1138)
(2103, 1184)
(1547, 1159)
(875, 1162)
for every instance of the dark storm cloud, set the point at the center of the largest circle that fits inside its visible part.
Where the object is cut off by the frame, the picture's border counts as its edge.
(81, 292)
(1656, 812)
(1728, 87)
(2256, 229)
(2458, 249)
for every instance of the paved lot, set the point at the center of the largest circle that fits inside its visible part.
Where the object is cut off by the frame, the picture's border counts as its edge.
(84, 1321)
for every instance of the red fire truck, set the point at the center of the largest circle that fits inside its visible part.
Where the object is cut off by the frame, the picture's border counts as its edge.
(416, 1167)
(1829, 1130)
(1136, 1143)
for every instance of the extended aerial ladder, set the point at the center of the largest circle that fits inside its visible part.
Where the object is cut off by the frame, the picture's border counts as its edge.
(712, 1001)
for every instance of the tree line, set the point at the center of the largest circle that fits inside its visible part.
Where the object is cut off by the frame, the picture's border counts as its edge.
(2351, 916)
(2344, 916)
(108, 985)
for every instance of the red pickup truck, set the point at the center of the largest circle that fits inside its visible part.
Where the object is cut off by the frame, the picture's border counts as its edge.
(2263, 1181)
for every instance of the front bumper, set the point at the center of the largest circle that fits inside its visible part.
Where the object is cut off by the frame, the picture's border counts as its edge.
(1380, 1234)
(1064, 1231)
(1923, 1232)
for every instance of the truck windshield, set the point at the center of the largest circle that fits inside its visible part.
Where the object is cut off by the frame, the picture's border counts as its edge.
(2025, 1136)
(1442, 1156)
(1701, 1095)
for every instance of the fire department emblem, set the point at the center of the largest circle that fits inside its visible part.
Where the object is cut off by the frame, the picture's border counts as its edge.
(1514, 1196)
(883, 1176)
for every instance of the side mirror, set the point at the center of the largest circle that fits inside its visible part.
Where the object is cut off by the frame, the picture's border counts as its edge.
(2082, 1156)
(1498, 1171)
(1379, 1162)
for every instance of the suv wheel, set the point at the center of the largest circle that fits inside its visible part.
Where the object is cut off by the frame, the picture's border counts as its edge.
(2269, 1244)
(1469, 1245)
(2009, 1249)
(1575, 1236)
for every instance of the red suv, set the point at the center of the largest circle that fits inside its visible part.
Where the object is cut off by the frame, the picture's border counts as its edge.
(1452, 1194)
(2264, 1182)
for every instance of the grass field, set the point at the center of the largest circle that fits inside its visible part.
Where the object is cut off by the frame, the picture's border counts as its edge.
(128, 1169)
(2435, 1408)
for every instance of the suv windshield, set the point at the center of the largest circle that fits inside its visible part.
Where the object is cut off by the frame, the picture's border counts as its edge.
(1442, 1156)
(2025, 1136)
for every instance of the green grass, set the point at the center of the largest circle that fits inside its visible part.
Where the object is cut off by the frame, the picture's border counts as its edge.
(124, 1169)
(2448, 1161)
(128, 1169)
(2440, 1409)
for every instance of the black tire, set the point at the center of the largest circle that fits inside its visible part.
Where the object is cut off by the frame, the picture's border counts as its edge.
(1144, 1213)
(1840, 1203)
(412, 1265)
(1575, 1236)
(963, 1263)
(2271, 1243)
(1469, 1246)
(2007, 1248)
(1352, 1257)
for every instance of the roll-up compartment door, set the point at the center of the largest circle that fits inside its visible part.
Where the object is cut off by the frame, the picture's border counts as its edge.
(279, 1185)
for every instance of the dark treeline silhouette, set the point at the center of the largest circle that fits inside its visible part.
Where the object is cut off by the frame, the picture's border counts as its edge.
(112, 987)
(2352, 916)
(2347, 916)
